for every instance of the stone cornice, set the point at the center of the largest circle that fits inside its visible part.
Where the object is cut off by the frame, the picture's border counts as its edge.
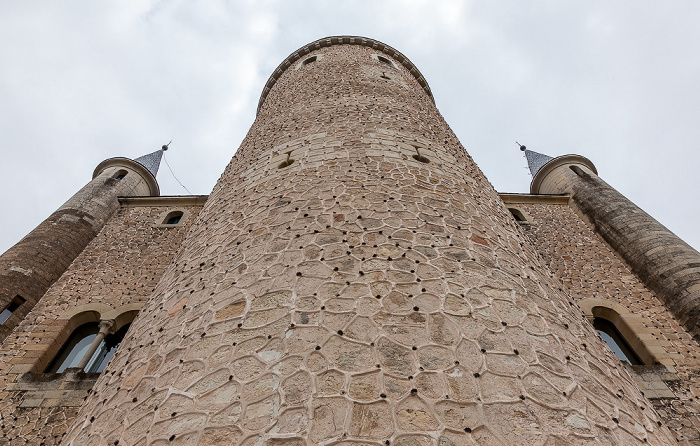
(170, 201)
(556, 162)
(532, 199)
(343, 40)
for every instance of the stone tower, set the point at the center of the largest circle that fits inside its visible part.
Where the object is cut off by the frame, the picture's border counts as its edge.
(664, 262)
(354, 279)
(31, 266)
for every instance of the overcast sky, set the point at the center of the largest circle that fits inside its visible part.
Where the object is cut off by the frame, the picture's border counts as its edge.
(83, 81)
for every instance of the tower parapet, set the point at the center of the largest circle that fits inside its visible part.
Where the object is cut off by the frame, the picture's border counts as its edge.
(32, 265)
(664, 262)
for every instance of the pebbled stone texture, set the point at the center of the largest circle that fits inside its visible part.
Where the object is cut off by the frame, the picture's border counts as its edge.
(120, 266)
(588, 267)
(665, 263)
(359, 296)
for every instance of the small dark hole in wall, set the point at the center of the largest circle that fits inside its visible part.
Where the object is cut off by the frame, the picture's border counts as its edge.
(421, 158)
(577, 170)
(285, 163)
(311, 59)
(384, 60)
(120, 175)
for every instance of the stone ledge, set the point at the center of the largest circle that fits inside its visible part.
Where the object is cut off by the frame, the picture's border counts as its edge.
(67, 389)
(510, 198)
(172, 200)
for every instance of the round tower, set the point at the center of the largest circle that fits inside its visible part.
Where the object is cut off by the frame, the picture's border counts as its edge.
(664, 262)
(32, 265)
(354, 279)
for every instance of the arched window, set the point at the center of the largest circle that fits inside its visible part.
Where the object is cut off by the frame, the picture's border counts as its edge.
(120, 174)
(173, 218)
(89, 347)
(615, 341)
(73, 351)
(105, 351)
(517, 215)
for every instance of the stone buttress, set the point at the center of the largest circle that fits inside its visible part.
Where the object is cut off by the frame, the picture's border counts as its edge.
(354, 279)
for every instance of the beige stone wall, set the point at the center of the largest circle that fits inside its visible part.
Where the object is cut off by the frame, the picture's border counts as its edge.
(118, 270)
(590, 269)
(359, 296)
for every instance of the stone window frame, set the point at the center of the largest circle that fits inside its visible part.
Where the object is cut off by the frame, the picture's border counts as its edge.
(109, 319)
(302, 63)
(376, 57)
(527, 219)
(163, 217)
(634, 328)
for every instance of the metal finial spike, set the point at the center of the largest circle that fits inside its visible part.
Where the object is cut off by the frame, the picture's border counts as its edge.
(165, 147)
(522, 147)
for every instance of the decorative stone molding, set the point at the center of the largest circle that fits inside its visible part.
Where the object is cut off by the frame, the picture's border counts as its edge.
(534, 199)
(173, 201)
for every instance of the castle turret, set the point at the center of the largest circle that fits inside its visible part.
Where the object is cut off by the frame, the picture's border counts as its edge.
(29, 268)
(354, 279)
(664, 262)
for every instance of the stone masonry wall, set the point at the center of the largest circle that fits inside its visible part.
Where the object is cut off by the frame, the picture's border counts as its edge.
(588, 268)
(338, 290)
(121, 266)
(32, 265)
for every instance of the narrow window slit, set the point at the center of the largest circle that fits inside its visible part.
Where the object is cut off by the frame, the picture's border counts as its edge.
(11, 308)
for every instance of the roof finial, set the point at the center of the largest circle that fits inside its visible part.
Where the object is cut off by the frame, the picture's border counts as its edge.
(535, 160)
(165, 147)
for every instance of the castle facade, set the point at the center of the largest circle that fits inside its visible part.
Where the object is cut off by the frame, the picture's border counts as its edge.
(352, 279)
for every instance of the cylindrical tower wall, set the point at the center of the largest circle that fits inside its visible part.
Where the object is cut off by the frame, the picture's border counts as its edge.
(29, 268)
(338, 289)
(664, 262)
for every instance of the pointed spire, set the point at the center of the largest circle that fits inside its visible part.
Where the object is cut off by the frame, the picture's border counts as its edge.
(152, 160)
(535, 160)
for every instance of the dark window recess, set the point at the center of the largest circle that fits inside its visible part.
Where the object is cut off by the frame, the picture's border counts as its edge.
(11, 308)
(310, 60)
(577, 170)
(173, 218)
(120, 175)
(517, 215)
(615, 341)
(78, 344)
(106, 350)
(75, 348)
(385, 61)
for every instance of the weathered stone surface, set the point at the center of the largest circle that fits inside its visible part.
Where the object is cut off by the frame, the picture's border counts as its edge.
(386, 298)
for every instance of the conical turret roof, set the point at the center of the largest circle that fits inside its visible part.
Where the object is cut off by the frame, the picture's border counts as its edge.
(151, 161)
(535, 160)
